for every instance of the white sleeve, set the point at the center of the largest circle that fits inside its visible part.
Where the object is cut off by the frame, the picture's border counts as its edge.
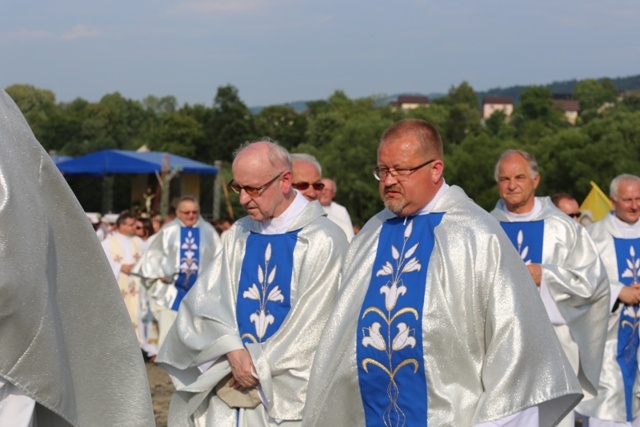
(550, 305)
(16, 409)
(526, 418)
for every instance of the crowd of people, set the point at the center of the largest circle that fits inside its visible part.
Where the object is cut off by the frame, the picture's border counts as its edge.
(436, 312)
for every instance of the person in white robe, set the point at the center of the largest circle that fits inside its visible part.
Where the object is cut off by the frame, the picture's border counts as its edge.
(123, 249)
(436, 320)
(173, 261)
(563, 262)
(617, 238)
(242, 347)
(326, 197)
(306, 179)
(68, 355)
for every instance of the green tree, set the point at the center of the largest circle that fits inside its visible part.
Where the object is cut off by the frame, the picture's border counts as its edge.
(282, 124)
(232, 123)
(463, 94)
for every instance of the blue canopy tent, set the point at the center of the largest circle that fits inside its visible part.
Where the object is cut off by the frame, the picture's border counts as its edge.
(108, 162)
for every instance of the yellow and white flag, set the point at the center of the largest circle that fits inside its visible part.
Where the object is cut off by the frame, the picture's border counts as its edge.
(596, 202)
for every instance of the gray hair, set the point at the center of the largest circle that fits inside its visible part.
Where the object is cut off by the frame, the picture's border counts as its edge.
(615, 183)
(278, 155)
(533, 165)
(304, 157)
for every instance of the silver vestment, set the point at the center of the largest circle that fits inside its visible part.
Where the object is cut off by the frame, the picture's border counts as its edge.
(610, 402)
(487, 353)
(65, 335)
(578, 284)
(206, 328)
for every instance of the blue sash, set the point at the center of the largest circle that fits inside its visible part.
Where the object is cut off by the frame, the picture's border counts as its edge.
(628, 259)
(189, 262)
(527, 237)
(389, 349)
(264, 291)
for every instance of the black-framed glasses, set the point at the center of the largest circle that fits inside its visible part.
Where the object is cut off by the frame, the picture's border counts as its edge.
(318, 186)
(252, 191)
(381, 173)
(574, 214)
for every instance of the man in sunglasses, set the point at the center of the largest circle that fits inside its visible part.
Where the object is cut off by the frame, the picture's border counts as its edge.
(175, 258)
(242, 348)
(436, 322)
(563, 262)
(307, 174)
(567, 204)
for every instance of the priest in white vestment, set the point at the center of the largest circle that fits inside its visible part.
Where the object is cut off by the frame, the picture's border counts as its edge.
(177, 255)
(563, 262)
(436, 321)
(241, 349)
(68, 355)
(326, 197)
(617, 238)
(123, 249)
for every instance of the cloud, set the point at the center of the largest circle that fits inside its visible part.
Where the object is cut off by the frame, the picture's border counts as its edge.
(23, 35)
(80, 32)
(208, 6)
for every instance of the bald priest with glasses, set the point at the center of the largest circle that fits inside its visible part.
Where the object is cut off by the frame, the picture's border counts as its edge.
(436, 321)
(241, 349)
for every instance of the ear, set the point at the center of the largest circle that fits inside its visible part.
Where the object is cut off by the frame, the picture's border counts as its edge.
(536, 181)
(287, 180)
(437, 170)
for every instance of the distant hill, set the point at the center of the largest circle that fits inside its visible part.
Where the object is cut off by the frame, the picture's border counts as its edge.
(622, 84)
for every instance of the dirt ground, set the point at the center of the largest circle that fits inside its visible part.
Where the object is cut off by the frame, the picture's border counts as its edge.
(161, 391)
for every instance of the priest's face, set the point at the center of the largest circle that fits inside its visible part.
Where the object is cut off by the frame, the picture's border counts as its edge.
(517, 183)
(188, 211)
(410, 177)
(306, 179)
(262, 187)
(627, 201)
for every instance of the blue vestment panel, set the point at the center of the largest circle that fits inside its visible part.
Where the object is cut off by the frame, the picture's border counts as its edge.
(527, 237)
(189, 262)
(264, 291)
(389, 348)
(627, 251)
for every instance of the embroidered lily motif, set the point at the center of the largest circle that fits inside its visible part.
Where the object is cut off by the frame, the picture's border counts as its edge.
(633, 266)
(261, 292)
(631, 313)
(189, 264)
(523, 251)
(402, 262)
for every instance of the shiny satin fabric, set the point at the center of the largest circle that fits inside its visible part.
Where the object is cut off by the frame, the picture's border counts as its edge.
(206, 328)
(578, 283)
(487, 353)
(162, 259)
(610, 404)
(65, 335)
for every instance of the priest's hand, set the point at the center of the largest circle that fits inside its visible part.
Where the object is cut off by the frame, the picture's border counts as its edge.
(536, 273)
(126, 268)
(630, 294)
(242, 369)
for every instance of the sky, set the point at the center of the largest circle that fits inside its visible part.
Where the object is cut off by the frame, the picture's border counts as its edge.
(280, 51)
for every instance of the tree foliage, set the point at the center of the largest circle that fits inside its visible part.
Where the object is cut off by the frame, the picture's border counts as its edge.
(343, 134)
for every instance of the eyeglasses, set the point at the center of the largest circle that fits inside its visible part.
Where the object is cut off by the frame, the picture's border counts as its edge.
(382, 173)
(189, 212)
(139, 227)
(318, 186)
(574, 214)
(251, 191)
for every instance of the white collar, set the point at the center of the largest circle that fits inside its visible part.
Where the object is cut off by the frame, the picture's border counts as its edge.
(281, 223)
(429, 206)
(628, 231)
(527, 216)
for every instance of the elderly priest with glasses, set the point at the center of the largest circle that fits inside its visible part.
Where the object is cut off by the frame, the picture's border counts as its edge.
(241, 349)
(436, 321)
(175, 258)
